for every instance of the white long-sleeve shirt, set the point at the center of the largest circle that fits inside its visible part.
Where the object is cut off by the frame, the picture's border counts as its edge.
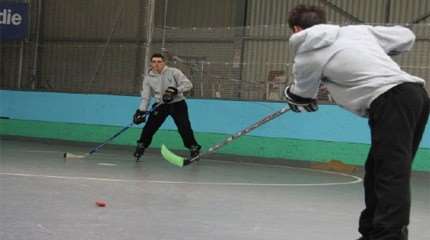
(352, 62)
(155, 84)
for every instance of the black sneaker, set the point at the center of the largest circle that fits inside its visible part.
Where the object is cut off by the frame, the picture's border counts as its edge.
(195, 151)
(140, 149)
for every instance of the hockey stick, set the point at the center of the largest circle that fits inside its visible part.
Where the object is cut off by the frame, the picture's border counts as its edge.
(68, 155)
(181, 161)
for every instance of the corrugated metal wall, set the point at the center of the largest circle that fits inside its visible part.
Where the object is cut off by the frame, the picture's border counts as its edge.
(199, 13)
(91, 45)
(98, 45)
(230, 49)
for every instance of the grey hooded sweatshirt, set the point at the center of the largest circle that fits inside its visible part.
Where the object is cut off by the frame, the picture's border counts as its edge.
(155, 84)
(352, 61)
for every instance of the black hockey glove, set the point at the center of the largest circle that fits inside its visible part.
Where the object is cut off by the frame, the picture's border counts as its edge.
(139, 116)
(300, 104)
(169, 94)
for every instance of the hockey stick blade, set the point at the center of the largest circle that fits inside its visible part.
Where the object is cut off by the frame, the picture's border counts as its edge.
(68, 155)
(171, 157)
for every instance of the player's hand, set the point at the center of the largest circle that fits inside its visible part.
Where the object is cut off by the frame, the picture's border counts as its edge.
(139, 117)
(300, 104)
(169, 94)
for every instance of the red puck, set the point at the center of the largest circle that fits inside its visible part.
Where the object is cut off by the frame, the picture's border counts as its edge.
(101, 203)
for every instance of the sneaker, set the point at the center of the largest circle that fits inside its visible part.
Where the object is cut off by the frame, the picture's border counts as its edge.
(195, 151)
(140, 149)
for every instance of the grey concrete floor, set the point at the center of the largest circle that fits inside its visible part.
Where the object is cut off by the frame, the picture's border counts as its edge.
(44, 197)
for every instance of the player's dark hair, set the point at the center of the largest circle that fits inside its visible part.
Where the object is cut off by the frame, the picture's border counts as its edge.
(305, 16)
(158, 55)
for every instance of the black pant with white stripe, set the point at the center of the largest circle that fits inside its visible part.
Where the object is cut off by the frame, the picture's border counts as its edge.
(179, 113)
(397, 120)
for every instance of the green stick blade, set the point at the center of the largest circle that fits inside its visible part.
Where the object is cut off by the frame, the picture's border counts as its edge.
(171, 157)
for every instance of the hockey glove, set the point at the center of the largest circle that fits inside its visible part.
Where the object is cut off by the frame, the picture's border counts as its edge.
(300, 104)
(169, 94)
(139, 116)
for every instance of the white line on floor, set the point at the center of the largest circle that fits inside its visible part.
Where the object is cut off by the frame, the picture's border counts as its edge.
(107, 164)
(355, 180)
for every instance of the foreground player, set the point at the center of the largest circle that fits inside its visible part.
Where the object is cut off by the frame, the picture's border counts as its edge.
(353, 63)
(166, 85)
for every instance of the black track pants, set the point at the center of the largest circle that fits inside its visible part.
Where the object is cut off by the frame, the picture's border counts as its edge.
(179, 113)
(397, 120)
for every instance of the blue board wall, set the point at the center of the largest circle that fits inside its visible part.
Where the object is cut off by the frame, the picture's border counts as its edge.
(330, 123)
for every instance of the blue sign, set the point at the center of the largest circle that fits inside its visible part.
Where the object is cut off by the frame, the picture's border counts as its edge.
(13, 21)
